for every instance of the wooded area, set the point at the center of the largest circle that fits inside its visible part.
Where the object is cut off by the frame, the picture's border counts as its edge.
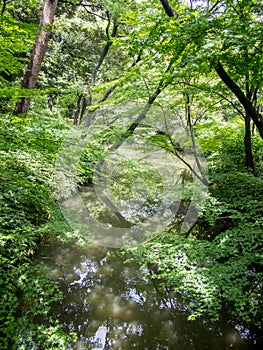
(184, 77)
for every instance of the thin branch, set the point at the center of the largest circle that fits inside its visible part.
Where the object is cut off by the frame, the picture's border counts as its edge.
(260, 51)
(232, 104)
(96, 70)
(206, 110)
(161, 86)
(94, 14)
(189, 122)
(146, 85)
(174, 152)
(214, 7)
(107, 94)
(105, 51)
(70, 2)
(218, 94)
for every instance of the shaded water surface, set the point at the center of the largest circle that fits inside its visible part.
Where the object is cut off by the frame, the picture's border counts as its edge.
(112, 305)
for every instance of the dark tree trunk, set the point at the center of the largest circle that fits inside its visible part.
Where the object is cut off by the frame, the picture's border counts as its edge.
(248, 146)
(140, 117)
(168, 8)
(246, 103)
(85, 103)
(247, 138)
(106, 48)
(38, 53)
(161, 86)
(81, 107)
(5, 2)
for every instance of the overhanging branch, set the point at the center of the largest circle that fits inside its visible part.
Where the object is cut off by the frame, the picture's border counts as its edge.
(249, 108)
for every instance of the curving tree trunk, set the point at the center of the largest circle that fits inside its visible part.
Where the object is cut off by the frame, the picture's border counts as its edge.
(83, 102)
(251, 111)
(38, 53)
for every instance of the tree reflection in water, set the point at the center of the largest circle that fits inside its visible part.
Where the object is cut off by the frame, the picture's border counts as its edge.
(112, 305)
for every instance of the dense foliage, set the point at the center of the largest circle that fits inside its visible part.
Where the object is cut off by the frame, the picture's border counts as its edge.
(213, 270)
(115, 53)
(28, 216)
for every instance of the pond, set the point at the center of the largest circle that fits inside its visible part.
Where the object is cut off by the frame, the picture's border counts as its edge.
(113, 305)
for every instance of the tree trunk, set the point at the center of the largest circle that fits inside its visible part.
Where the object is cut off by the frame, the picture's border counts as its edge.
(248, 146)
(168, 8)
(101, 59)
(38, 53)
(247, 138)
(202, 178)
(140, 117)
(246, 103)
(3, 7)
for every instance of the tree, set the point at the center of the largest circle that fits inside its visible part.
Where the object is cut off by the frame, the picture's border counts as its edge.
(235, 18)
(38, 53)
(16, 40)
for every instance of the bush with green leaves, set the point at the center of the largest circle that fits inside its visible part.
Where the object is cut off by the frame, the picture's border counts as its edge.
(28, 215)
(211, 277)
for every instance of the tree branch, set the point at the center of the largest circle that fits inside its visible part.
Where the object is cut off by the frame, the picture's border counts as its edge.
(79, 118)
(162, 85)
(202, 113)
(5, 3)
(190, 125)
(214, 7)
(232, 104)
(249, 108)
(168, 9)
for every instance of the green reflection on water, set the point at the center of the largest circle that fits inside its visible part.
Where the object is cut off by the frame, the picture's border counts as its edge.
(112, 305)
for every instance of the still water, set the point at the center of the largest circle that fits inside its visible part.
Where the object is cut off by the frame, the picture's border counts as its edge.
(113, 305)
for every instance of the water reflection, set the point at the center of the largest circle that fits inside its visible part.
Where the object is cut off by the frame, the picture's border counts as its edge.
(113, 306)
